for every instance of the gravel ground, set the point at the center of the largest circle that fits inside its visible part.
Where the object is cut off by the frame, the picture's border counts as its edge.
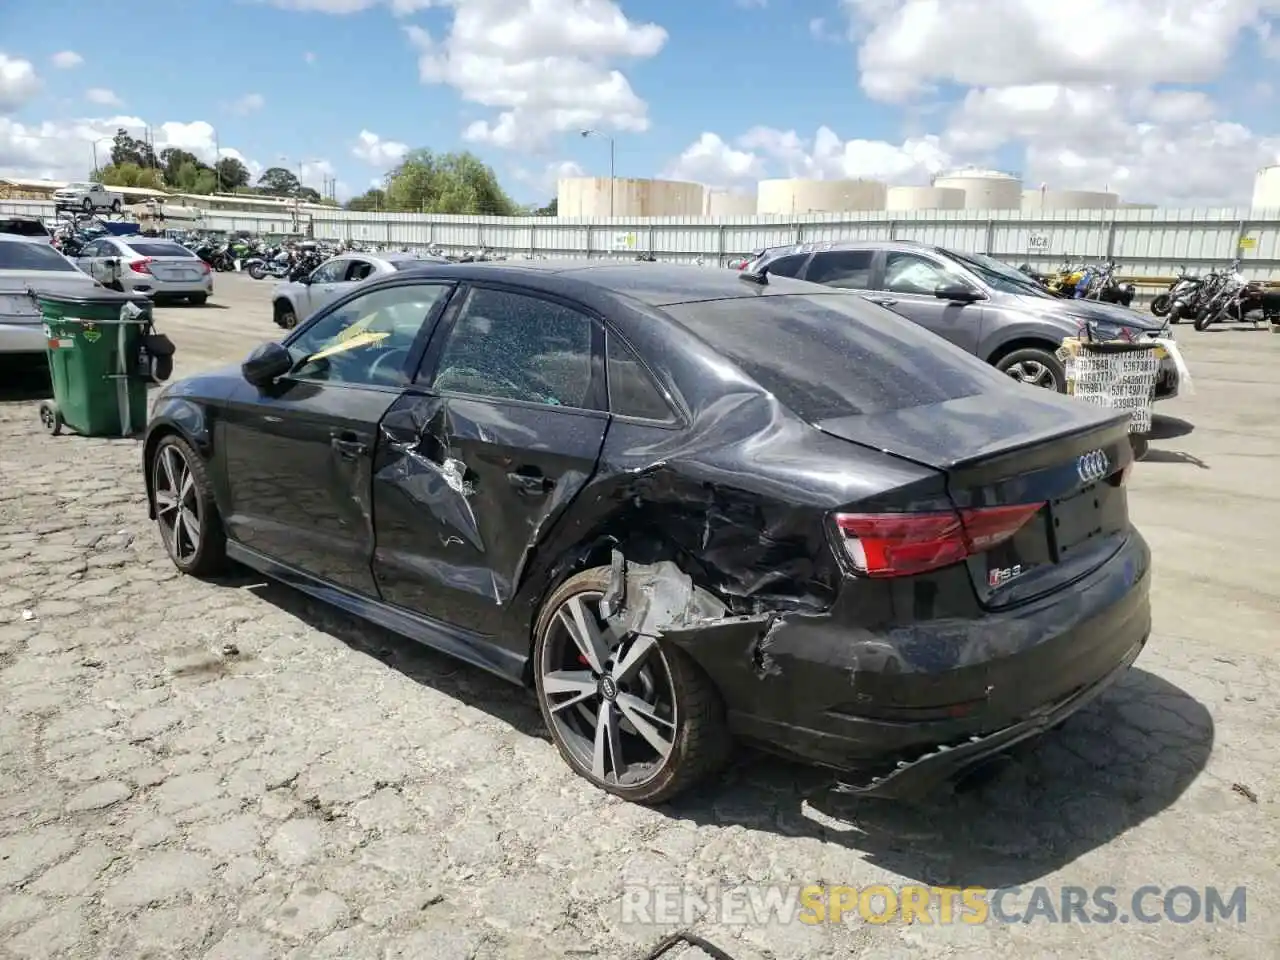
(230, 771)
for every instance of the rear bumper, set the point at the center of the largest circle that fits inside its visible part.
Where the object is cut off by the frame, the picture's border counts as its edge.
(898, 706)
(22, 338)
(168, 288)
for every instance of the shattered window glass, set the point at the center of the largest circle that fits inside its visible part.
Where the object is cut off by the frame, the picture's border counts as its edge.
(514, 347)
(631, 391)
(367, 341)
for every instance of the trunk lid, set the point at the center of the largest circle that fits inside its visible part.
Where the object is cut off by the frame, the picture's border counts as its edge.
(176, 269)
(17, 305)
(1009, 447)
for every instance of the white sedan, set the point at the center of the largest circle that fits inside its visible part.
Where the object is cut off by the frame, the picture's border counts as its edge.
(27, 265)
(294, 302)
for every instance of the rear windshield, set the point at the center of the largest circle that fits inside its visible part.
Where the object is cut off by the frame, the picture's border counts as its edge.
(23, 228)
(25, 255)
(835, 355)
(160, 249)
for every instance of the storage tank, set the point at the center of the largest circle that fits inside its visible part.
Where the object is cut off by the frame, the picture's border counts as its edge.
(819, 196)
(924, 198)
(1266, 189)
(589, 197)
(1069, 200)
(729, 203)
(984, 189)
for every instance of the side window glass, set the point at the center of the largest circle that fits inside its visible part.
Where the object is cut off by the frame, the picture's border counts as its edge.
(788, 266)
(330, 272)
(907, 273)
(847, 269)
(359, 270)
(632, 392)
(509, 346)
(367, 341)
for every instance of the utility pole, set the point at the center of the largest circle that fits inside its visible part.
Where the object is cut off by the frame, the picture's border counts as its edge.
(217, 160)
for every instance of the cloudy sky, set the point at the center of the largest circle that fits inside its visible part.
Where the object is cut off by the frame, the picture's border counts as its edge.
(1168, 101)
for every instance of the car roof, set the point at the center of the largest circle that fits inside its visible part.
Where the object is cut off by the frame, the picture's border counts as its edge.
(396, 256)
(653, 284)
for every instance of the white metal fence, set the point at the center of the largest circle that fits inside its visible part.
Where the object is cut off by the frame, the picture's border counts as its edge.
(1142, 242)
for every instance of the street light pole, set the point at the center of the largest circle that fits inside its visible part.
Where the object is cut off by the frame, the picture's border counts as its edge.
(612, 154)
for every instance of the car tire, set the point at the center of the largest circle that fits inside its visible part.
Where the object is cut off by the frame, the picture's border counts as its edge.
(87, 205)
(1035, 367)
(285, 316)
(115, 206)
(669, 692)
(186, 514)
(198, 299)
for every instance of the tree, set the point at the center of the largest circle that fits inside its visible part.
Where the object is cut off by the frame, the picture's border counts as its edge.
(232, 174)
(552, 209)
(125, 148)
(374, 199)
(279, 182)
(180, 167)
(130, 175)
(458, 183)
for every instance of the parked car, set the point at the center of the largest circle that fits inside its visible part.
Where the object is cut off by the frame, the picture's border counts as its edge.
(32, 228)
(26, 265)
(980, 304)
(156, 268)
(89, 197)
(681, 507)
(296, 300)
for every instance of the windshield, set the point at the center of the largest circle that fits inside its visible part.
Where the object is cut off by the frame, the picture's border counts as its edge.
(25, 255)
(80, 186)
(999, 276)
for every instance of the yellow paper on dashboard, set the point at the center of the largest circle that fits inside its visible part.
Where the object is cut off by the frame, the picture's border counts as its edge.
(362, 339)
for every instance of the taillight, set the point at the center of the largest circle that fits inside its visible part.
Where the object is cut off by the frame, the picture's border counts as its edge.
(899, 544)
(141, 266)
(205, 267)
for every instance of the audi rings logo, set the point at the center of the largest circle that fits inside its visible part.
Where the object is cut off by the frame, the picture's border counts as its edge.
(1093, 466)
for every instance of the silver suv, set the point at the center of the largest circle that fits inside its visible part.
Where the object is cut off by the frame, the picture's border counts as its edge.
(977, 302)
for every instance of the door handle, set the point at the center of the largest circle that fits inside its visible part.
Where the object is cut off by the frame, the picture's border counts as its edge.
(531, 482)
(884, 301)
(348, 445)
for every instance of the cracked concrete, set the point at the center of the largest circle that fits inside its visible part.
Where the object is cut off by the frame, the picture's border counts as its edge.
(332, 791)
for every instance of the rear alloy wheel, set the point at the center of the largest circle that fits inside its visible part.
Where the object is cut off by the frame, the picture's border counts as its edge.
(633, 715)
(186, 514)
(1038, 368)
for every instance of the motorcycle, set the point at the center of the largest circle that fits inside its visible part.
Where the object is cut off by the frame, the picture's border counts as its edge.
(1182, 288)
(1099, 283)
(1226, 299)
(274, 264)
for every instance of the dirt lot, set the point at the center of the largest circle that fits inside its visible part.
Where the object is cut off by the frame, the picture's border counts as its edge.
(233, 772)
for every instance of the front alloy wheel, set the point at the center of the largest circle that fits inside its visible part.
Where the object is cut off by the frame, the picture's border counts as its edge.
(1037, 368)
(190, 527)
(634, 716)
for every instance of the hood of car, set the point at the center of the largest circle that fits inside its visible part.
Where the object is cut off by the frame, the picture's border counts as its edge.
(1093, 311)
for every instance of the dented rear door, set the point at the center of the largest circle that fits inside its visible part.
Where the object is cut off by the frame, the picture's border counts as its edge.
(476, 464)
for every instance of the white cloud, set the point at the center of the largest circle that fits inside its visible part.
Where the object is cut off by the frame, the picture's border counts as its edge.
(711, 161)
(66, 60)
(545, 65)
(18, 83)
(309, 57)
(64, 150)
(249, 103)
(377, 152)
(907, 46)
(103, 97)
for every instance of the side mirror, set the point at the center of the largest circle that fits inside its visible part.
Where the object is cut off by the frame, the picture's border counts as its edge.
(267, 364)
(957, 292)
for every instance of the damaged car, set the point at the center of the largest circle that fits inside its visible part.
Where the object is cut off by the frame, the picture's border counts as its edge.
(685, 507)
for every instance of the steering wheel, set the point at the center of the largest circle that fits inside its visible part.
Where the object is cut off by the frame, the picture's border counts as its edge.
(374, 367)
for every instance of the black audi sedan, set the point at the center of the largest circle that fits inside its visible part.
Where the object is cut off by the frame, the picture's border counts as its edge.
(686, 506)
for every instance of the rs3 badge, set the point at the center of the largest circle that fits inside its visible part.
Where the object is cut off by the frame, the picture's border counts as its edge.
(999, 576)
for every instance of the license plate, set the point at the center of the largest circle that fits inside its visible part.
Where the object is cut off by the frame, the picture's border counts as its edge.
(1075, 520)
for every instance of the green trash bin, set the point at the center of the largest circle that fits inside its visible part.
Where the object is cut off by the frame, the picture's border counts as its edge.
(93, 346)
